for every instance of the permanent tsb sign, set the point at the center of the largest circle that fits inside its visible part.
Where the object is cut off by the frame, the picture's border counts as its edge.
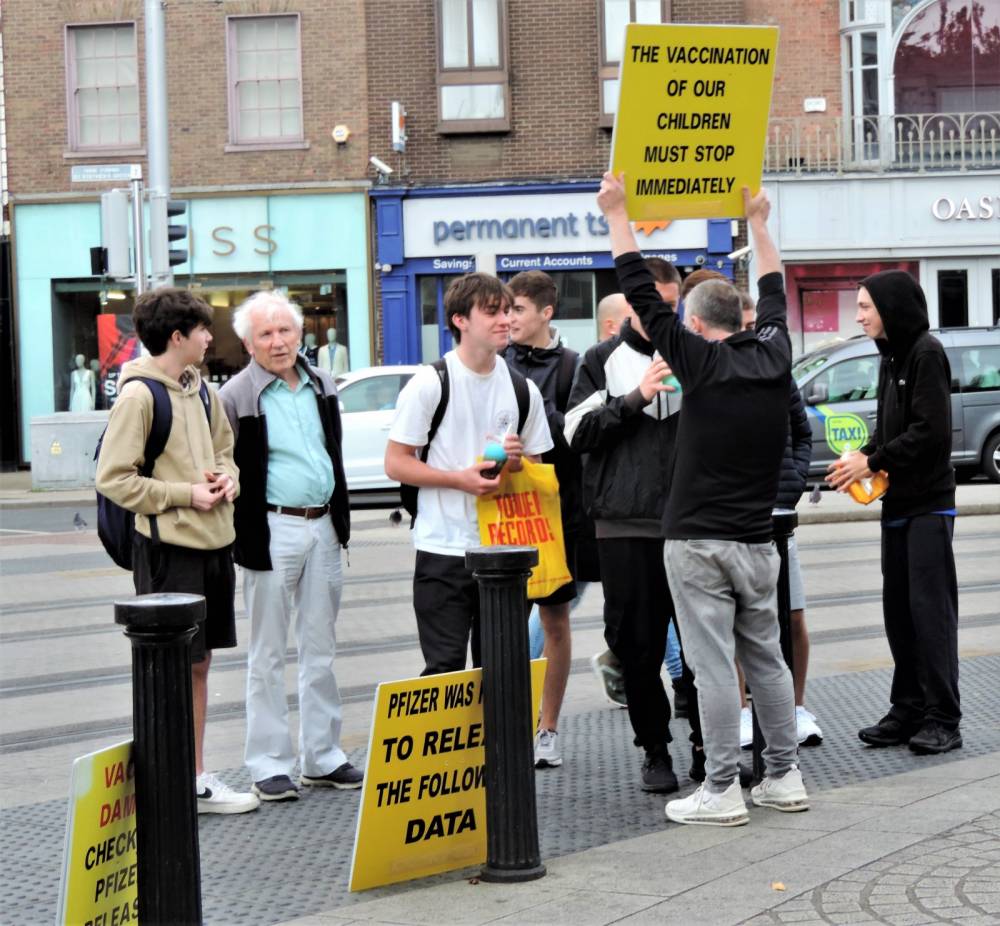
(556, 223)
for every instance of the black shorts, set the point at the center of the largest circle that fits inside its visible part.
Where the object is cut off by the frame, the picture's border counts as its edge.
(163, 567)
(565, 592)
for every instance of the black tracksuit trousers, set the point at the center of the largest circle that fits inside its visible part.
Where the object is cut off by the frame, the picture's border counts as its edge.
(920, 605)
(637, 609)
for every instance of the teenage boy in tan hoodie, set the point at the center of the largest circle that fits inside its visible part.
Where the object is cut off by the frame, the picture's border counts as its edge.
(184, 510)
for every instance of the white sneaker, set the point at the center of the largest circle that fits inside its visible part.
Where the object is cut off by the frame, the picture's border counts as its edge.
(710, 809)
(808, 730)
(547, 749)
(215, 796)
(746, 728)
(786, 793)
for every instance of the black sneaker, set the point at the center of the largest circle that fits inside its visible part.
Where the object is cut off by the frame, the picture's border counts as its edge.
(887, 732)
(276, 788)
(697, 770)
(344, 778)
(658, 772)
(933, 738)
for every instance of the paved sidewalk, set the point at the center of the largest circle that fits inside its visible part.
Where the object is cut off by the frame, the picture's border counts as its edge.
(921, 847)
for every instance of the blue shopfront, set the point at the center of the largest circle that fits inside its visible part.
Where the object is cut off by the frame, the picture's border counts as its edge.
(312, 246)
(426, 237)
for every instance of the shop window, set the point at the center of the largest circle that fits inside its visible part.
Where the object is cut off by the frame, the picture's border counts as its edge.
(322, 298)
(948, 59)
(953, 298)
(435, 339)
(472, 77)
(265, 80)
(980, 369)
(613, 16)
(102, 87)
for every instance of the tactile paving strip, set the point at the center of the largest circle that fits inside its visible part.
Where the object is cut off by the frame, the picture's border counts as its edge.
(289, 860)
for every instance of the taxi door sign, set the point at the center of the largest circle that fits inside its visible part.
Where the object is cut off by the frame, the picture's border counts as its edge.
(423, 803)
(100, 858)
(692, 117)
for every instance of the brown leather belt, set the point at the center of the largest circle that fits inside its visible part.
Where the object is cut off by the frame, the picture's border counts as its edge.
(308, 513)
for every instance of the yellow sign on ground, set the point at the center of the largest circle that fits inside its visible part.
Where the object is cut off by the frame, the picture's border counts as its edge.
(423, 807)
(100, 858)
(692, 118)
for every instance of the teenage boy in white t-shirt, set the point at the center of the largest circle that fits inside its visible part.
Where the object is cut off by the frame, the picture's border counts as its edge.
(481, 403)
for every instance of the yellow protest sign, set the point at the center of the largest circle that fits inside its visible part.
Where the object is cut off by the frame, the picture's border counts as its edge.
(100, 858)
(423, 803)
(692, 118)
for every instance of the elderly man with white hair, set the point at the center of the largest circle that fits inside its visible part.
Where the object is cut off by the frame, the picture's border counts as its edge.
(292, 518)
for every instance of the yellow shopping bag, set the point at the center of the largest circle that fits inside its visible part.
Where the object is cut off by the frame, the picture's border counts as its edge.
(525, 512)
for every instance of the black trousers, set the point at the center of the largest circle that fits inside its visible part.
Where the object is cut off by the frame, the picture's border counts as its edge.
(446, 602)
(637, 610)
(920, 605)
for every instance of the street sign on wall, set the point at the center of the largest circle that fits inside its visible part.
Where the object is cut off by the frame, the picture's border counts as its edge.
(105, 173)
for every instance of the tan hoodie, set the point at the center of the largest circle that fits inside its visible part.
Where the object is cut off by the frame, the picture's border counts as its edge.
(192, 448)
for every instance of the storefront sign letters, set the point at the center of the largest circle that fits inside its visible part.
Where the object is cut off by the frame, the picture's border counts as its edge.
(221, 236)
(945, 208)
(692, 118)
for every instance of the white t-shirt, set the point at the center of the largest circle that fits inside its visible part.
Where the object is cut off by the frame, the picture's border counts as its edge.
(478, 405)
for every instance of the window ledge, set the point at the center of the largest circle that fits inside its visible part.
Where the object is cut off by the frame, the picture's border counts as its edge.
(264, 146)
(104, 154)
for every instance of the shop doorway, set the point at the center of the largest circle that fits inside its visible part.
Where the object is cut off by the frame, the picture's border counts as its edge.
(962, 292)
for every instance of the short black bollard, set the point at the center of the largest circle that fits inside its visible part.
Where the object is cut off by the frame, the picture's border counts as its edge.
(161, 628)
(512, 852)
(784, 523)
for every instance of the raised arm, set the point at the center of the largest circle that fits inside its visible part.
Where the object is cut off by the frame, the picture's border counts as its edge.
(757, 209)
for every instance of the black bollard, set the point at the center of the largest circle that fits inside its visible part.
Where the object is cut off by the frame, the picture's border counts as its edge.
(161, 628)
(784, 523)
(512, 852)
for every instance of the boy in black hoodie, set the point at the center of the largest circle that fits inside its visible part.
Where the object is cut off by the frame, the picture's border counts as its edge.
(912, 443)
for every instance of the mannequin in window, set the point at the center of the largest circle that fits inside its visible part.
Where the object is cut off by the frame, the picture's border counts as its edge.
(309, 349)
(82, 388)
(333, 356)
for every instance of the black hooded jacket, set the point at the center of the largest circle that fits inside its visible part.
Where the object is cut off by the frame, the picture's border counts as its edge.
(552, 369)
(912, 441)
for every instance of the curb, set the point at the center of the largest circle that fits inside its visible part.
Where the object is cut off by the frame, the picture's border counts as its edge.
(872, 513)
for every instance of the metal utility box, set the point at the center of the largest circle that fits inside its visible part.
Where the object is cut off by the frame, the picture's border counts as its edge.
(62, 449)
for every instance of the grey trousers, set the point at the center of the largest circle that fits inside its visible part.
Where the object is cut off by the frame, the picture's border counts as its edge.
(725, 597)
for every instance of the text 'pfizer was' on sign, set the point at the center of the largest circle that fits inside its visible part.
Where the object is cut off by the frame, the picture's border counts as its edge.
(692, 118)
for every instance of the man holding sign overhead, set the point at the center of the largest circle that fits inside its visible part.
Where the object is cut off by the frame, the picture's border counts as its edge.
(721, 563)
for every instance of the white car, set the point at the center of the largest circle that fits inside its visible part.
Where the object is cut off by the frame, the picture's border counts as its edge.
(367, 407)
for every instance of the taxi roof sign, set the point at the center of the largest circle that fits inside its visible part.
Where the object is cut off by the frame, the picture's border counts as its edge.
(692, 118)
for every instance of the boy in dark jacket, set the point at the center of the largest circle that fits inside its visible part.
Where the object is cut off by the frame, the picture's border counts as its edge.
(912, 444)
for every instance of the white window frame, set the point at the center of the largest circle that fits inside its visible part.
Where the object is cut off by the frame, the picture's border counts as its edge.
(472, 75)
(237, 141)
(75, 146)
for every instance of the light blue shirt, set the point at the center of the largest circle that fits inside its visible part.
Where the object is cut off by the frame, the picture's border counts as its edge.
(299, 469)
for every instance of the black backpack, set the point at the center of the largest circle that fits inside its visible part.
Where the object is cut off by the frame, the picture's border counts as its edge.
(408, 493)
(116, 525)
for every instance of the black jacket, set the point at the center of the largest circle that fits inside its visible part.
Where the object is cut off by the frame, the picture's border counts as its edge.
(912, 441)
(542, 366)
(734, 421)
(241, 399)
(628, 442)
(798, 453)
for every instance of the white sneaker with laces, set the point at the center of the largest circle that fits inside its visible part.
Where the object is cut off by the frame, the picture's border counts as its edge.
(547, 749)
(786, 793)
(808, 730)
(215, 796)
(709, 808)
(746, 728)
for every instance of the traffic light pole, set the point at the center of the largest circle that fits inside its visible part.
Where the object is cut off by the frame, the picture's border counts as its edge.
(156, 117)
(139, 252)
